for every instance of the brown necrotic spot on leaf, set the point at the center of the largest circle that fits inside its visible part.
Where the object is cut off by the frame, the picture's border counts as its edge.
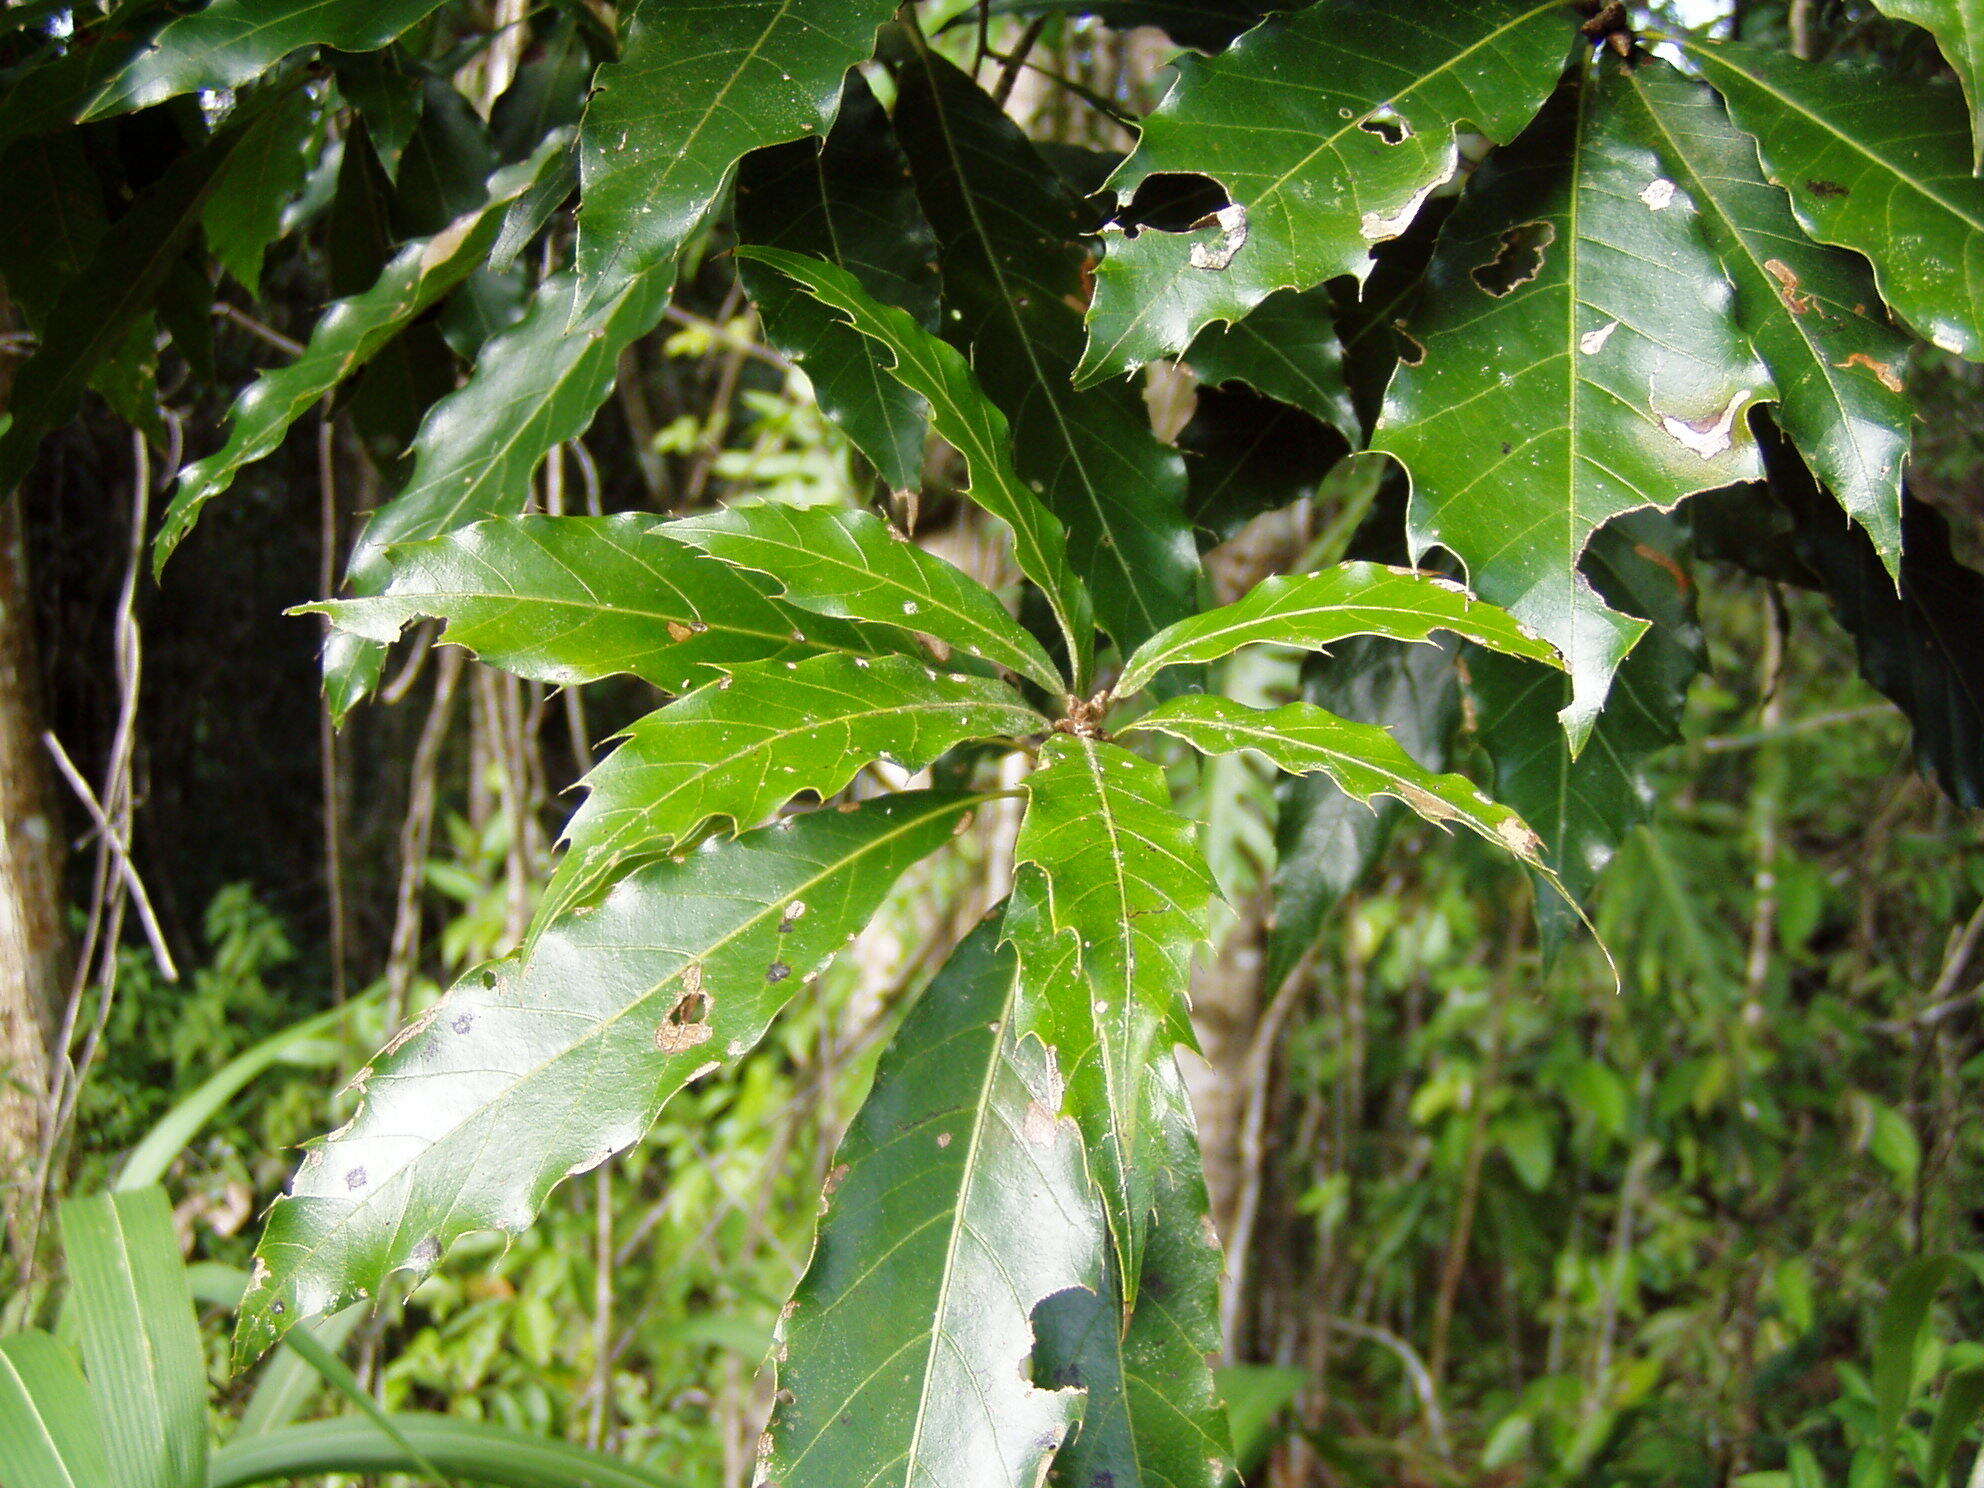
(1787, 286)
(1232, 225)
(677, 631)
(1827, 188)
(1890, 379)
(1518, 260)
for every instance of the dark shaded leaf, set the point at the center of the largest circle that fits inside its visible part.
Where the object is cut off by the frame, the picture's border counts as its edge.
(1326, 839)
(849, 202)
(1583, 807)
(1008, 238)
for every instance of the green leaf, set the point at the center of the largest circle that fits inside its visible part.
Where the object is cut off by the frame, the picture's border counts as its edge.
(969, 421)
(1285, 347)
(1578, 361)
(1956, 1413)
(1916, 646)
(742, 746)
(853, 565)
(575, 599)
(140, 1342)
(1958, 26)
(1122, 872)
(228, 42)
(1246, 454)
(1256, 1396)
(1361, 758)
(469, 1451)
(849, 202)
(957, 1205)
(534, 387)
(1898, 1325)
(346, 336)
(1325, 840)
(1011, 253)
(1811, 312)
(1153, 1418)
(1312, 611)
(97, 311)
(696, 87)
(1882, 166)
(244, 212)
(51, 183)
(51, 1433)
(1583, 807)
(545, 1065)
(1326, 129)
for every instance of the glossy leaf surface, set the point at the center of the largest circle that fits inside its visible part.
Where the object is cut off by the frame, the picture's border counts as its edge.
(1577, 361)
(228, 42)
(740, 747)
(1285, 347)
(854, 565)
(1326, 128)
(965, 418)
(849, 202)
(1882, 169)
(957, 1204)
(696, 87)
(1153, 1417)
(574, 599)
(1311, 611)
(1011, 251)
(345, 337)
(543, 1066)
(1810, 311)
(1361, 758)
(1958, 26)
(1122, 873)
(534, 387)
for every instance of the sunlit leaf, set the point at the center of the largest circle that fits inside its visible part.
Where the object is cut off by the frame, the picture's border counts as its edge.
(1311, 611)
(543, 1066)
(957, 1205)
(854, 565)
(742, 746)
(1576, 360)
(1326, 129)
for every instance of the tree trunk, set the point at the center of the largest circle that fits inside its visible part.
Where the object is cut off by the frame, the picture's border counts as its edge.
(31, 930)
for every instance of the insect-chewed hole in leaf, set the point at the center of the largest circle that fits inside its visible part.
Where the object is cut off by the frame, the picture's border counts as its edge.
(1173, 201)
(1387, 126)
(1411, 350)
(687, 1023)
(1518, 260)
